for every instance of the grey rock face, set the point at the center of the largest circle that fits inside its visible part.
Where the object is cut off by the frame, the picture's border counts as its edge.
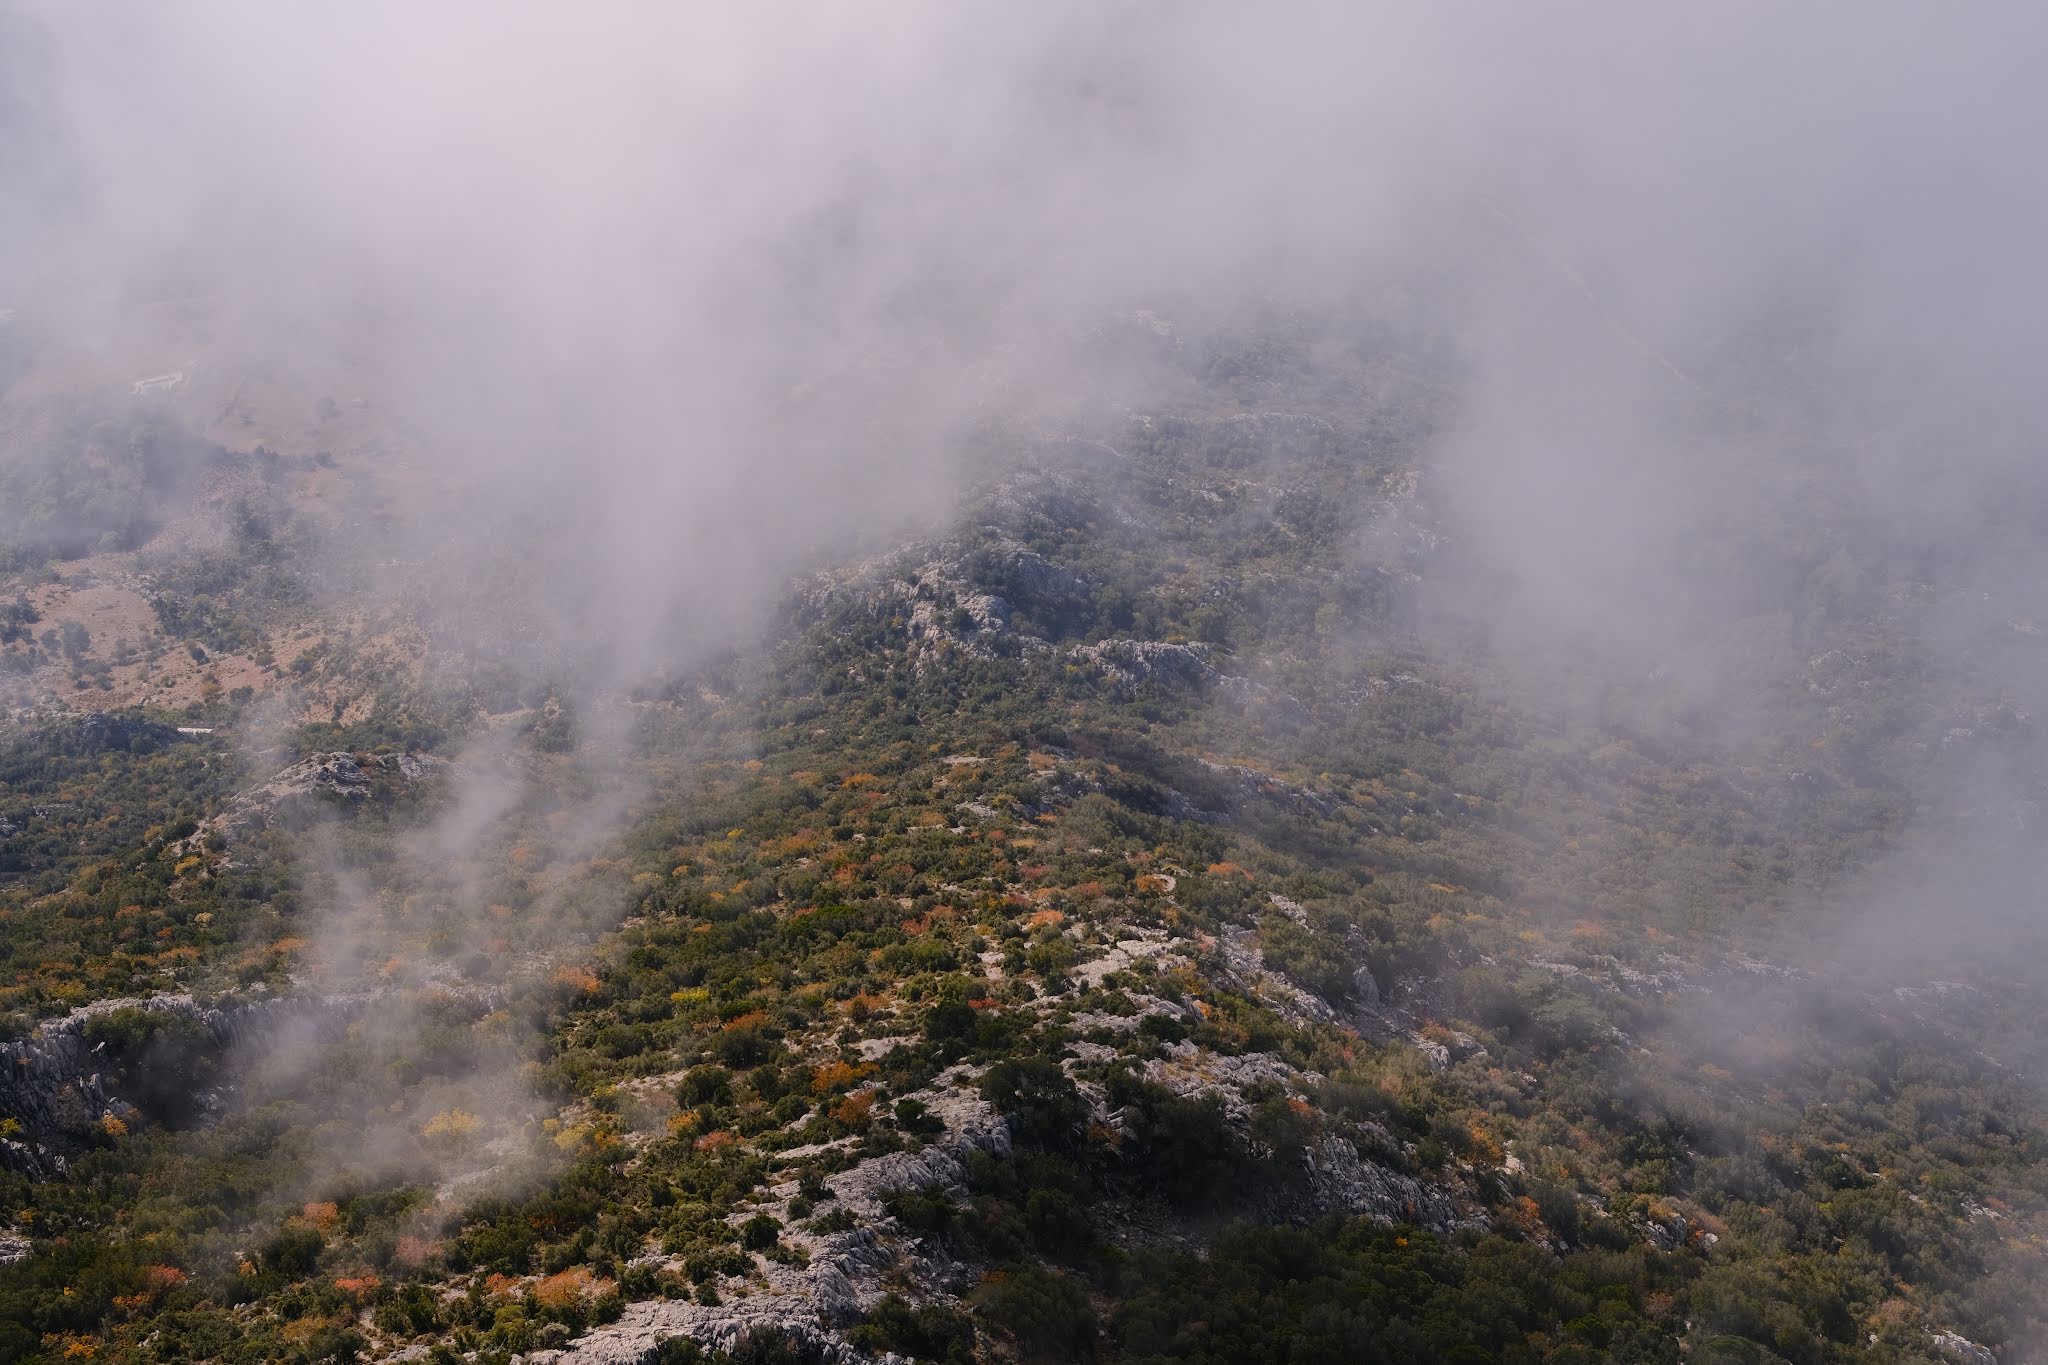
(1436, 1054)
(1963, 1349)
(1669, 1234)
(53, 1081)
(1364, 985)
(638, 1336)
(1030, 575)
(1135, 663)
(1253, 785)
(320, 786)
(1346, 1182)
(844, 1275)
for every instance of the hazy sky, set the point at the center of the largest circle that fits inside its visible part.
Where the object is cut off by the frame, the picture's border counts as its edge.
(686, 272)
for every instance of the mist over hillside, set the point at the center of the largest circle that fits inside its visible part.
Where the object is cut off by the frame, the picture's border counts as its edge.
(1129, 682)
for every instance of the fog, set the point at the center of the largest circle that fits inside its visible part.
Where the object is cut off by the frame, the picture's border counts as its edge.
(674, 296)
(661, 304)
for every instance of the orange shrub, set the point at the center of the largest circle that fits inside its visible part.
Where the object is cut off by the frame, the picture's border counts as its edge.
(854, 1109)
(866, 1003)
(577, 979)
(569, 1288)
(838, 1075)
(162, 1277)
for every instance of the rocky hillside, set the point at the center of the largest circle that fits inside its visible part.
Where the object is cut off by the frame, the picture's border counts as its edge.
(1147, 918)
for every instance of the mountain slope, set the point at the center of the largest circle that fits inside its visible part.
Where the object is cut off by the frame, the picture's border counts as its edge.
(1155, 917)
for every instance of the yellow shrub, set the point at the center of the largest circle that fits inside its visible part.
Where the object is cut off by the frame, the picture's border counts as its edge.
(451, 1125)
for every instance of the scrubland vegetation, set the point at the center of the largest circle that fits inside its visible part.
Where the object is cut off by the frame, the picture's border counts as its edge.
(1177, 919)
